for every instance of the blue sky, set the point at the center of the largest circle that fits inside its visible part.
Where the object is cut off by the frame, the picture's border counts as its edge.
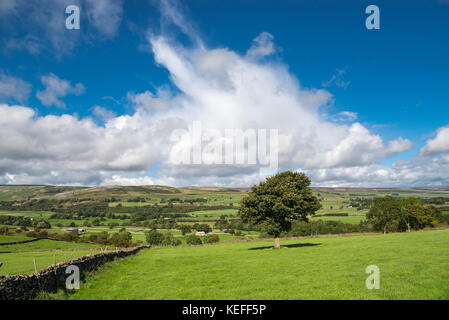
(393, 81)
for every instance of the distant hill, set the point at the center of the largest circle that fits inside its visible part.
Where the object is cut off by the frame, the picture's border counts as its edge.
(24, 192)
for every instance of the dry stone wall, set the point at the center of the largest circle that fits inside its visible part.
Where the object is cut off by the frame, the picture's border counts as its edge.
(25, 287)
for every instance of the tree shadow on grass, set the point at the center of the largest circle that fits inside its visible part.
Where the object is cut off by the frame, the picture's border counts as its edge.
(294, 245)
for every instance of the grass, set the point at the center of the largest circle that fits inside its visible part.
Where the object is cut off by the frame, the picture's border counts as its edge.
(22, 262)
(412, 266)
(7, 239)
(46, 245)
(18, 259)
(345, 219)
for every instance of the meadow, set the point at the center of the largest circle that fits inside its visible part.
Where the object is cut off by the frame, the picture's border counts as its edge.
(412, 266)
(19, 258)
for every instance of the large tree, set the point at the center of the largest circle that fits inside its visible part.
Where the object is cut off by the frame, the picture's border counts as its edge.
(278, 201)
(388, 214)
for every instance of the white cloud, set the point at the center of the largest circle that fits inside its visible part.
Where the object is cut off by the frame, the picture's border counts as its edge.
(160, 101)
(224, 90)
(172, 15)
(105, 15)
(103, 113)
(262, 46)
(55, 89)
(437, 145)
(414, 173)
(14, 88)
(346, 116)
(67, 150)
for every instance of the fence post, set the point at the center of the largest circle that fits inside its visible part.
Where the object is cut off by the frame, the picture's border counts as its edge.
(35, 266)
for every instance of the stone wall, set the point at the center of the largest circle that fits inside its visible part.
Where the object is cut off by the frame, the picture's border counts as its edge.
(25, 287)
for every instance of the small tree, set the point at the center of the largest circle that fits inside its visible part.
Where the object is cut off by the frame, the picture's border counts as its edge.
(204, 227)
(43, 224)
(211, 238)
(185, 229)
(278, 201)
(193, 240)
(154, 237)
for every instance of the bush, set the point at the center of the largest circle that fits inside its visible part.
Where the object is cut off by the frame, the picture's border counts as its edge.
(185, 229)
(211, 238)
(113, 225)
(204, 227)
(154, 238)
(162, 239)
(32, 234)
(92, 237)
(43, 225)
(121, 239)
(4, 231)
(42, 234)
(193, 240)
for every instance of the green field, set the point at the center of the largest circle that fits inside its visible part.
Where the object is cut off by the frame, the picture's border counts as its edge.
(8, 239)
(348, 219)
(23, 263)
(18, 258)
(412, 266)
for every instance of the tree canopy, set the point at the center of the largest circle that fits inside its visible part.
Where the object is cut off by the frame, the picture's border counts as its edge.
(388, 214)
(278, 201)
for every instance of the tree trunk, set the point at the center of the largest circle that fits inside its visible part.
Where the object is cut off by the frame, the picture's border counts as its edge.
(277, 243)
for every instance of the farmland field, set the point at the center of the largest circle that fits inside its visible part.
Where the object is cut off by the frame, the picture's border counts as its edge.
(8, 239)
(412, 266)
(18, 258)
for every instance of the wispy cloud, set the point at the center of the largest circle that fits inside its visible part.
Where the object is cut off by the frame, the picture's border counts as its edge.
(337, 80)
(43, 22)
(103, 113)
(105, 15)
(262, 46)
(15, 89)
(56, 89)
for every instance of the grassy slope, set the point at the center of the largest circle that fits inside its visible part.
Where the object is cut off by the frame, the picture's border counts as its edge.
(22, 263)
(412, 265)
(18, 259)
